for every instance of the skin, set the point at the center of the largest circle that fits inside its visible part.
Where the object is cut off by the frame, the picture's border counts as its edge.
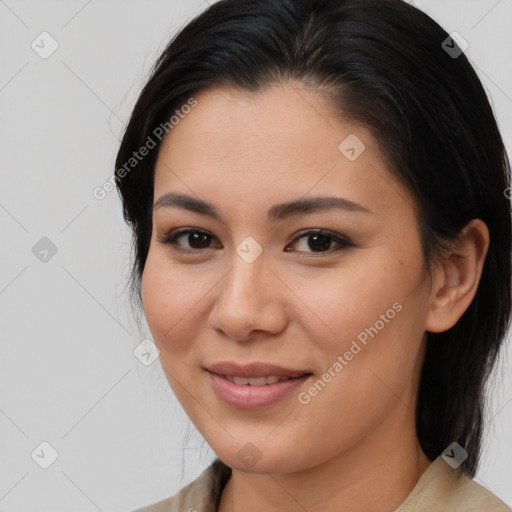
(353, 447)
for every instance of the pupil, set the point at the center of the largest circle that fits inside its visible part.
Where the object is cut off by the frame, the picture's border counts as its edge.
(200, 238)
(322, 242)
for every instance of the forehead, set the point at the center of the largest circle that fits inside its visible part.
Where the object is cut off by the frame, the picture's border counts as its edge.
(279, 143)
(279, 123)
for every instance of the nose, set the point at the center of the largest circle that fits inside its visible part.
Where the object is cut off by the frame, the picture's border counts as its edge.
(250, 299)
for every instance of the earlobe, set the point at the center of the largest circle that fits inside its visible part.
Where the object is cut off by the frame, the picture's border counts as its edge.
(456, 280)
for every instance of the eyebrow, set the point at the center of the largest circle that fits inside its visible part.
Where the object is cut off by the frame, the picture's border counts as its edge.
(278, 211)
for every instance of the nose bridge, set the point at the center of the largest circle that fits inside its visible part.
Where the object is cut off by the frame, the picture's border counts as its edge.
(247, 300)
(244, 284)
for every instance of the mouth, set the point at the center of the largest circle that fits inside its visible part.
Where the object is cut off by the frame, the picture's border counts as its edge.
(256, 385)
(255, 381)
(253, 371)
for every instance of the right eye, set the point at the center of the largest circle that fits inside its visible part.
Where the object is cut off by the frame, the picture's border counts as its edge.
(196, 239)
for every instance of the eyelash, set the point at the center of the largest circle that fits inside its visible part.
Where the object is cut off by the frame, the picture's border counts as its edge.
(342, 242)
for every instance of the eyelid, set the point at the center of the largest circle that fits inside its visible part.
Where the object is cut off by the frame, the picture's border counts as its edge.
(169, 239)
(342, 241)
(338, 237)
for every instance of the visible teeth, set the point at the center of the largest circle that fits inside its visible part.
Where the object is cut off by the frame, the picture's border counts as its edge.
(255, 381)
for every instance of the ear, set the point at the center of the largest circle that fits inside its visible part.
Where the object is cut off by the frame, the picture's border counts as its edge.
(456, 280)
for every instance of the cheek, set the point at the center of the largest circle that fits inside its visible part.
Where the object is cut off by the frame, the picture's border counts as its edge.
(379, 337)
(352, 298)
(172, 299)
(370, 317)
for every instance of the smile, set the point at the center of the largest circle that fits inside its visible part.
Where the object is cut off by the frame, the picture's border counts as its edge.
(255, 392)
(254, 381)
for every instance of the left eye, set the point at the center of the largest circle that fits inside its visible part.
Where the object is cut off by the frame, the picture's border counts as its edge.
(318, 241)
(321, 240)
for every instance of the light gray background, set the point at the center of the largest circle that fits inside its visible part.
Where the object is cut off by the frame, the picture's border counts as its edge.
(68, 375)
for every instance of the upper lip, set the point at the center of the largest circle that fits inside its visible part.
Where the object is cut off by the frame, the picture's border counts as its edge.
(256, 369)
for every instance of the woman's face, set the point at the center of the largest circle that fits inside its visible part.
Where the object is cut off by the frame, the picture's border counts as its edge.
(258, 285)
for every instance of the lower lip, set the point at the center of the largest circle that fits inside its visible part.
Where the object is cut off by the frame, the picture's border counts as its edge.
(254, 397)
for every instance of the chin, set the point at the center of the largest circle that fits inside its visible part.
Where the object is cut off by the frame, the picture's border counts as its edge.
(250, 459)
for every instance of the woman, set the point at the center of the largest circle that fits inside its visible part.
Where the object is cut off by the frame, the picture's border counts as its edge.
(322, 252)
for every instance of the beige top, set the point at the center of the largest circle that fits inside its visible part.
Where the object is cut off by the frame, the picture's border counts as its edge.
(439, 489)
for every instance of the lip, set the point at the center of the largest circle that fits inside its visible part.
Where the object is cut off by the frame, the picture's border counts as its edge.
(254, 397)
(255, 369)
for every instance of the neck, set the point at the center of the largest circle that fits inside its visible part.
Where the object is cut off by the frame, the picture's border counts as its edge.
(377, 475)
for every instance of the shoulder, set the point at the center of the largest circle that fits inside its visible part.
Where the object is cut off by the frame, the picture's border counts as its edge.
(201, 495)
(442, 488)
(475, 497)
